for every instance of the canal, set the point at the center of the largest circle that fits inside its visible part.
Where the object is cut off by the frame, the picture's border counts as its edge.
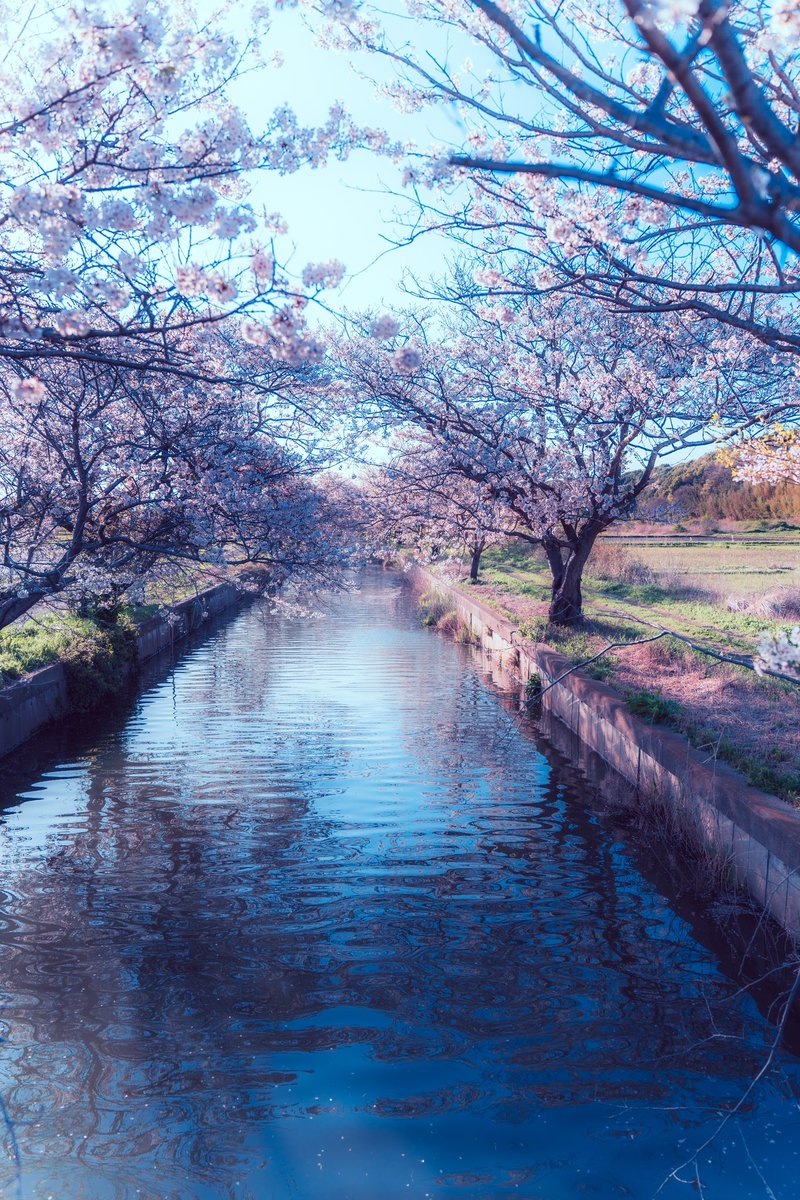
(314, 917)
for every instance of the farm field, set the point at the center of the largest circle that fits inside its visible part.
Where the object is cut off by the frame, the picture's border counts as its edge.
(741, 560)
(721, 591)
(728, 587)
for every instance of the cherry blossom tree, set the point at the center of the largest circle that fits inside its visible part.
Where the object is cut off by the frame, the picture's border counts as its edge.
(159, 394)
(642, 151)
(559, 410)
(105, 473)
(420, 498)
(126, 169)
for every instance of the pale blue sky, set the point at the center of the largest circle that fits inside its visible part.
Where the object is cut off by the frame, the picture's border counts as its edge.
(345, 210)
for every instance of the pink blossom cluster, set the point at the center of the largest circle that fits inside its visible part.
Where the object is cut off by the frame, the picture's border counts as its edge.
(128, 168)
(323, 275)
(774, 458)
(384, 327)
(780, 652)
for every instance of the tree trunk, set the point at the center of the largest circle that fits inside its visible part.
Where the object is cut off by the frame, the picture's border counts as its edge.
(555, 561)
(566, 566)
(475, 561)
(566, 602)
(13, 606)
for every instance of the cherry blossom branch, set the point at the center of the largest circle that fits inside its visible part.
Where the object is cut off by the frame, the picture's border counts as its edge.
(737, 215)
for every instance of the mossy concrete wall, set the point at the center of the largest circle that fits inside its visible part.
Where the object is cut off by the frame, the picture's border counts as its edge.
(31, 702)
(756, 833)
(41, 697)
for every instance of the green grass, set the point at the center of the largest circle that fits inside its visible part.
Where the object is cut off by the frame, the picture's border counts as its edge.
(765, 770)
(96, 655)
(139, 613)
(522, 572)
(653, 707)
(38, 643)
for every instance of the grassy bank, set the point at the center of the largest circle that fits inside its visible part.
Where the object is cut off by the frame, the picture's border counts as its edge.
(96, 655)
(97, 651)
(725, 710)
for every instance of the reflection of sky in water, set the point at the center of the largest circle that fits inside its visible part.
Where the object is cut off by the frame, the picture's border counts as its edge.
(316, 921)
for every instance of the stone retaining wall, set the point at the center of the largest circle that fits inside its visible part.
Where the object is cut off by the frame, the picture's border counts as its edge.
(41, 697)
(758, 834)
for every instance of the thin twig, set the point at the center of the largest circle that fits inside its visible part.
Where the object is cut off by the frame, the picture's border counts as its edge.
(725, 658)
(586, 661)
(765, 1066)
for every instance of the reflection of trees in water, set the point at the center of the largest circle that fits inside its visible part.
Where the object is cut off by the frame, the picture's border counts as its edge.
(142, 958)
(212, 919)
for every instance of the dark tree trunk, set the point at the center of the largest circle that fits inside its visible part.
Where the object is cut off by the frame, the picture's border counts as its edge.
(566, 602)
(475, 561)
(555, 561)
(566, 566)
(13, 606)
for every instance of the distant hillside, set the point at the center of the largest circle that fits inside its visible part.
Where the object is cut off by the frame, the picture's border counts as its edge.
(705, 488)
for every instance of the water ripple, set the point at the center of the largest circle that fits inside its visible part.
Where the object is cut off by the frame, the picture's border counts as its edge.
(315, 920)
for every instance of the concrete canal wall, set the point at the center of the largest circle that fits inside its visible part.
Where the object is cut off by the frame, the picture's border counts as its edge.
(41, 697)
(162, 631)
(756, 833)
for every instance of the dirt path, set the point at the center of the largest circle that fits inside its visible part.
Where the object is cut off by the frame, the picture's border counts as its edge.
(687, 626)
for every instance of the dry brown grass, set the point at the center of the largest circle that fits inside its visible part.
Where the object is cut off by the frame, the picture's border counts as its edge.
(719, 563)
(452, 626)
(750, 722)
(613, 562)
(723, 711)
(781, 605)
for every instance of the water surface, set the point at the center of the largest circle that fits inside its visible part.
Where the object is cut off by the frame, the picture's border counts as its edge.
(315, 919)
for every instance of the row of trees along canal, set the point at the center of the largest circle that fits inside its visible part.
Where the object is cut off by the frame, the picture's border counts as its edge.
(159, 393)
(624, 198)
(623, 287)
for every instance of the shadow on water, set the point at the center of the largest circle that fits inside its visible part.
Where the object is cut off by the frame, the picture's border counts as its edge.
(312, 916)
